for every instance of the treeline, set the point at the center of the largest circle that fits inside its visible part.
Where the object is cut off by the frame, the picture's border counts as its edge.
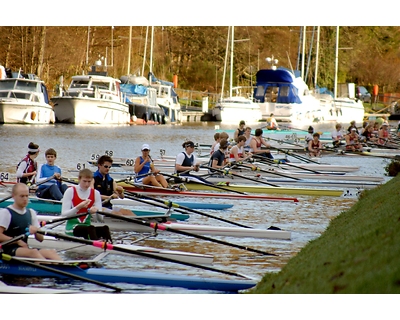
(367, 55)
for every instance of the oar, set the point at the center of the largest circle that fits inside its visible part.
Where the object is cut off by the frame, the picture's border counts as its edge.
(183, 179)
(37, 184)
(177, 207)
(269, 161)
(6, 257)
(255, 168)
(240, 176)
(293, 154)
(162, 226)
(17, 238)
(109, 246)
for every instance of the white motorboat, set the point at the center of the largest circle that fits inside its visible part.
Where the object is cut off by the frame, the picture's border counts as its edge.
(94, 98)
(233, 109)
(24, 100)
(167, 99)
(287, 96)
(142, 101)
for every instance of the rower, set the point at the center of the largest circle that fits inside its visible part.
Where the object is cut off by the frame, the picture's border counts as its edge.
(15, 220)
(145, 172)
(186, 162)
(26, 168)
(79, 199)
(352, 141)
(239, 131)
(315, 146)
(218, 158)
(337, 135)
(103, 182)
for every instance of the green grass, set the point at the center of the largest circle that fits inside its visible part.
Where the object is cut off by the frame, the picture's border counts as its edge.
(358, 253)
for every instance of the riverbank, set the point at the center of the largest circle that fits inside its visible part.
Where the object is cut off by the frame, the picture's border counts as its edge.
(358, 253)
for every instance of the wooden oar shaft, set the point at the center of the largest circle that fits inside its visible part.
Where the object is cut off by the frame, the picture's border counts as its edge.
(167, 228)
(6, 257)
(267, 161)
(178, 207)
(269, 172)
(37, 184)
(183, 179)
(109, 246)
(240, 176)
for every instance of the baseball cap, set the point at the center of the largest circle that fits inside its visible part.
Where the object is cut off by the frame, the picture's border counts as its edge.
(385, 124)
(145, 147)
(353, 129)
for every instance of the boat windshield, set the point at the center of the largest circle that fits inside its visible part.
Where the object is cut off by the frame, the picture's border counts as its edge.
(83, 84)
(21, 85)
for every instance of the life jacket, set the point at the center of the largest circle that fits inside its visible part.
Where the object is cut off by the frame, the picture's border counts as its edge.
(30, 167)
(187, 162)
(103, 184)
(83, 220)
(18, 223)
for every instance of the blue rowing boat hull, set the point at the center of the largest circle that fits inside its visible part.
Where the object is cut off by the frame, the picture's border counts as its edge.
(131, 277)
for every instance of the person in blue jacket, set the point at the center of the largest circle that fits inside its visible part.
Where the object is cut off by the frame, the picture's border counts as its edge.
(52, 189)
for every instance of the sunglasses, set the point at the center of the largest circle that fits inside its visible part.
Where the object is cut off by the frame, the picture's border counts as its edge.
(107, 167)
(145, 150)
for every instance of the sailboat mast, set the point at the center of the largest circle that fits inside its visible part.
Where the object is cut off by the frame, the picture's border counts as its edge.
(151, 49)
(231, 71)
(226, 59)
(316, 58)
(145, 49)
(303, 52)
(129, 50)
(336, 62)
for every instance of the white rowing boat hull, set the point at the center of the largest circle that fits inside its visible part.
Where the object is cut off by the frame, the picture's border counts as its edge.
(62, 245)
(17, 289)
(119, 225)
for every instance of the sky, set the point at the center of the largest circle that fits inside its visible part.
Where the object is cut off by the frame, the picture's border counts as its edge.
(205, 12)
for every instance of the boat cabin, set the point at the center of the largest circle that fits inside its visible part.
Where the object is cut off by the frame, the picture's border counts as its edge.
(279, 86)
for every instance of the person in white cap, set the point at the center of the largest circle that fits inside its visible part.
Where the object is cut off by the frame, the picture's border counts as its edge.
(353, 141)
(383, 133)
(145, 172)
(26, 168)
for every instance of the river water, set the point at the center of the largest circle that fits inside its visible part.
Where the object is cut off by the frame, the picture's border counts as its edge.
(75, 145)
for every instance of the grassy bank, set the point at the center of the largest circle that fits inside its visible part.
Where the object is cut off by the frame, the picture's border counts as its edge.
(358, 253)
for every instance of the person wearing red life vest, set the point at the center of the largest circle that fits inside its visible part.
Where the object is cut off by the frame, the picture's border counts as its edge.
(80, 199)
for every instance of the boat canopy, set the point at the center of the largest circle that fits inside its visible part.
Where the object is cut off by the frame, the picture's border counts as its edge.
(137, 89)
(278, 85)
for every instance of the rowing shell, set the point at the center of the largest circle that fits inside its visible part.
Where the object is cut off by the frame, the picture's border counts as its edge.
(191, 205)
(170, 192)
(269, 190)
(54, 207)
(131, 277)
(51, 242)
(120, 225)
(17, 289)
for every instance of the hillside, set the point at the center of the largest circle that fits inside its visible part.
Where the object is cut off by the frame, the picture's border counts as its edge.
(358, 253)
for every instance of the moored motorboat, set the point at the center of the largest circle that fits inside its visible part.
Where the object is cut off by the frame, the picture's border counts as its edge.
(94, 98)
(24, 100)
(142, 101)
